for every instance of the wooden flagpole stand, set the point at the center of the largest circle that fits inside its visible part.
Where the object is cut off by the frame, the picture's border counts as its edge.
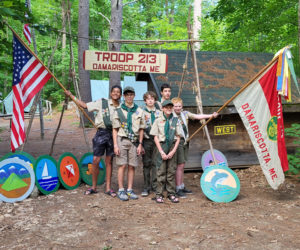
(59, 83)
(236, 94)
(199, 99)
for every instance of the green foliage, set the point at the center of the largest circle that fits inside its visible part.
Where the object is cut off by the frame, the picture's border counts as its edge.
(294, 159)
(107, 248)
(239, 25)
(254, 25)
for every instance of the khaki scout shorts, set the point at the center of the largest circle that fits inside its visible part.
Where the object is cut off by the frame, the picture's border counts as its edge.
(182, 152)
(128, 154)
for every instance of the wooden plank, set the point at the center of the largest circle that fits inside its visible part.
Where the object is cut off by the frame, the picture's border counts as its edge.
(125, 61)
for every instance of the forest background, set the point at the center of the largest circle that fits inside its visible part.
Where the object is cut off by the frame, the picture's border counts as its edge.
(239, 25)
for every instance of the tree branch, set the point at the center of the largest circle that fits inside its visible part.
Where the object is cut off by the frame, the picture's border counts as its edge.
(130, 2)
(104, 17)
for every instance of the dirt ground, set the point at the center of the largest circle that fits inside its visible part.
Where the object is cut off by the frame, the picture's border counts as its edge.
(260, 218)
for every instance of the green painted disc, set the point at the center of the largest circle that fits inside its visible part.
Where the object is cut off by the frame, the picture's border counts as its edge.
(46, 174)
(86, 169)
(68, 171)
(21, 155)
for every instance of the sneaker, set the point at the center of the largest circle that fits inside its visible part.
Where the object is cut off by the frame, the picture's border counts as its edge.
(132, 195)
(187, 191)
(180, 193)
(145, 193)
(122, 195)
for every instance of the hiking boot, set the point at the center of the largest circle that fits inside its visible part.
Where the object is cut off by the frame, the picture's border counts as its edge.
(122, 195)
(180, 194)
(187, 191)
(132, 195)
(145, 193)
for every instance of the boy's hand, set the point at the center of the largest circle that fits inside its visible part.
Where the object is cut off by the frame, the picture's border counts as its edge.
(215, 115)
(171, 154)
(163, 155)
(139, 149)
(116, 150)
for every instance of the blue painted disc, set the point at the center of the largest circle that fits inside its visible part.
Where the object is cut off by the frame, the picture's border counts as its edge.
(208, 161)
(86, 169)
(16, 180)
(46, 175)
(220, 184)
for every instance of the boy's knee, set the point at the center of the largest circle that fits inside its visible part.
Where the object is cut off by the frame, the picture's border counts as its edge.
(131, 168)
(96, 160)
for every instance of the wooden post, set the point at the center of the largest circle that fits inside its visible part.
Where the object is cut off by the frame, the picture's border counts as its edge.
(199, 99)
(184, 70)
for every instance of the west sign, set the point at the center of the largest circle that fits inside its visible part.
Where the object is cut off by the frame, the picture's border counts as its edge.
(125, 61)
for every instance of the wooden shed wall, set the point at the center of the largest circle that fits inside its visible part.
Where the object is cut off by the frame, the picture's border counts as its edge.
(237, 147)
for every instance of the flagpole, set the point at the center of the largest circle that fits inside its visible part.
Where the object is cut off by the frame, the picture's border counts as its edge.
(59, 83)
(236, 94)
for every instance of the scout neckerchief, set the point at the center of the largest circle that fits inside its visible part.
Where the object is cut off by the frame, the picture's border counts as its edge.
(106, 114)
(184, 126)
(148, 128)
(170, 130)
(152, 112)
(127, 123)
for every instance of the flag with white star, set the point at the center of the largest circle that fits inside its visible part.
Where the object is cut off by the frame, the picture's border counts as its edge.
(29, 76)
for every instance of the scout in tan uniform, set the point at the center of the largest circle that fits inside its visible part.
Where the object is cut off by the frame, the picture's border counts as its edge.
(102, 141)
(182, 151)
(149, 169)
(128, 131)
(165, 91)
(166, 137)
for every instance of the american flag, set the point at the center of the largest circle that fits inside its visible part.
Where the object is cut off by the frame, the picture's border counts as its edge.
(29, 76)
(27, 32)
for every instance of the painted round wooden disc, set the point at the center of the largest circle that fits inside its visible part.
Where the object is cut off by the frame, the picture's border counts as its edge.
(16, 180)
(208, 161)
(220, 184)
(68, 171)
(46, 174)
(86, 169)
(21, 155)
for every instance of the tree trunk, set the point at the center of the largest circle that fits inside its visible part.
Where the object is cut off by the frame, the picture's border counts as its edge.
(197, 22)
(115, 32)
(64, 37)
(83, 44)
(299, 30)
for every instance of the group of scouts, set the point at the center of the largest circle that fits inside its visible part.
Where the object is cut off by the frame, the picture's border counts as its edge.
(158, 132)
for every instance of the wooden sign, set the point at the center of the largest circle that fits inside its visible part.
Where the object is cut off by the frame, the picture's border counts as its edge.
(16, 180)
(220, 184)
(125, 61)
(46, 174)
(208, 161)
(86, 169)
(225, 130)
(68, 171)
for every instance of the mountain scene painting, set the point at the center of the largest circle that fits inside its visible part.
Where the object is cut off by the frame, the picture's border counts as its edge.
(14, 180)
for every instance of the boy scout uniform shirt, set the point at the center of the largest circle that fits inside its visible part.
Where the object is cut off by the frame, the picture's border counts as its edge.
(158, 128)
(186, 115)
(147, 118)
(137, 121)
(97, 107)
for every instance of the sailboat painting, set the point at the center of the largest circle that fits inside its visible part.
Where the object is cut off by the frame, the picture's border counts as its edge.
(46, 174)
